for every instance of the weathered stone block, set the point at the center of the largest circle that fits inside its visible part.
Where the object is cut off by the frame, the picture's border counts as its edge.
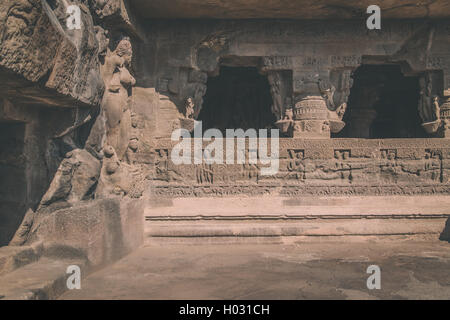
(37, 47)
(102, 230)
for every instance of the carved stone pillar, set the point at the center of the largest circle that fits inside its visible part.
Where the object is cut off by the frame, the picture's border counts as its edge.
(363, 113)
(444, 112)
(444, 130)
(361, 121)
(310, 110)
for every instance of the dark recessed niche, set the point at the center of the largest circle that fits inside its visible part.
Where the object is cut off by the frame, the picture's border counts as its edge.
(383, 103)
(238, 98)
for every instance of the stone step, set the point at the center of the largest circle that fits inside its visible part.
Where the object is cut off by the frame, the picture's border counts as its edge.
(280, 217)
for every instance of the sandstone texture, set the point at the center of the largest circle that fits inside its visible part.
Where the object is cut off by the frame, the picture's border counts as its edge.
(87, 114)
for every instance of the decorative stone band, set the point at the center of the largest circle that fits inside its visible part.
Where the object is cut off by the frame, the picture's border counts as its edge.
(311, 108)
(444, 129)
(296, 190)
(445, 110)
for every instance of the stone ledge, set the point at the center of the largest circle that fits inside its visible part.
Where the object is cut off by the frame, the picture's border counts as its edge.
(42, 280)
(323, 227)
(275, 207)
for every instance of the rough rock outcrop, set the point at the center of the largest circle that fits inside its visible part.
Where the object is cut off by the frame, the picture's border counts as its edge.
(48, 64)
(51, 64)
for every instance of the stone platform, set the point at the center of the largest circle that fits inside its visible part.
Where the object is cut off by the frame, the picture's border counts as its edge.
(298, 268)
(308, 216)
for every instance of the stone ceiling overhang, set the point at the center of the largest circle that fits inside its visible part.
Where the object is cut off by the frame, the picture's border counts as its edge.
(288, 9)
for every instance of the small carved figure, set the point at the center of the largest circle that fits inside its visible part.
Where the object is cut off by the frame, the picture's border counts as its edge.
(204, 173)
(189, 108)
(165, 169)
(133, 146)
(432, 166)
(102, 39)
(161, 163)
(436, 109)
(425, 101)
(110, 161)
(328, 95)
(340, 111)
(276, 89)
(296, 163)
(288, 114)
(342, 164)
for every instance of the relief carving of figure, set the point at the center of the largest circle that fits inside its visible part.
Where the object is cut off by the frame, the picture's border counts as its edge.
(204, 173)
(390, 169)
(336, 97)
(288, 111)
(343, 85)
(296, 164)
(133, 146)
(115, 104)
(189, 108)
(328, 95)
(285, 124)
(340, 111)
(432, 166)
(165, 169)
(343, 167)
(277, 90)
(114, 177)
(425, 101)
(335, 114)
(435, 109)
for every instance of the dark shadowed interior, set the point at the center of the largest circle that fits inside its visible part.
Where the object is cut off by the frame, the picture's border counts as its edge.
(383, 103)
(13, 185)
(239, 97)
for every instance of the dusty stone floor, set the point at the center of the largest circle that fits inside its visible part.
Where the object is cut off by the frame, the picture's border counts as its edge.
(293, 268)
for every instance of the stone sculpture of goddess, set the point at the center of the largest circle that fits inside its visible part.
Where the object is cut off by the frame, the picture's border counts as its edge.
(118, 81)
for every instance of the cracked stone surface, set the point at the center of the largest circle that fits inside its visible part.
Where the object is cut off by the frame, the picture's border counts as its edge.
(297, 268)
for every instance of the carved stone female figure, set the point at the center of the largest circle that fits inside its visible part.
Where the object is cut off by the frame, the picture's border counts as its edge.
(425, 100)
(118, 81)
(276, 89)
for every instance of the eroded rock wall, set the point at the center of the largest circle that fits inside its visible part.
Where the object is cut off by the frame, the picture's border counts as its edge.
(65, 97)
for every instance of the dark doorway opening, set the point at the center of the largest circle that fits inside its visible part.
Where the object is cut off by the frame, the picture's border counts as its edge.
(13, 184)
(383, 103)
(238, 98)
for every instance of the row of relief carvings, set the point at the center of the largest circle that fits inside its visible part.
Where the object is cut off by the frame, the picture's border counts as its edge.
(297, 190)
(383, 167)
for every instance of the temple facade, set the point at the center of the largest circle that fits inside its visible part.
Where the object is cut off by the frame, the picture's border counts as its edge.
(87, 114)
(360, 116)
